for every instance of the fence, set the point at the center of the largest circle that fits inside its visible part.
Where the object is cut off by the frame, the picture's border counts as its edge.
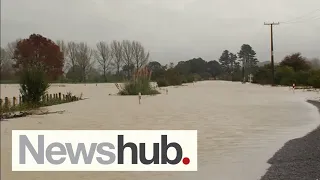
(8, 104)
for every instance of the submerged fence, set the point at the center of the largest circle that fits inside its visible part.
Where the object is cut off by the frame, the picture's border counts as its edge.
(9, 103)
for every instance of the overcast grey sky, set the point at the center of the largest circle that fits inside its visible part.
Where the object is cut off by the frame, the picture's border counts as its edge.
(172, 30)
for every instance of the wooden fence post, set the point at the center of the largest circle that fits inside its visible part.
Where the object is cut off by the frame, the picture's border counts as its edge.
(6, 103)
(60, 96)
(23, 99)
(20, 99)
(139, 98)
(50, 97)
(1, 109)
(14, 99)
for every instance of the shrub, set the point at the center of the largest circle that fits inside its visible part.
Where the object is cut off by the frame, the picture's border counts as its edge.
(262, 76)
(286, 81)
(284, 75)
(140, 83)
(196, 77)
(184, 79)
(175, 81)
(141, 86)
(314, 79)
(162, 83)
(236, 76)
(301, 77)
(173, 77)
(33, 84)
(190, 78)
(205, 76)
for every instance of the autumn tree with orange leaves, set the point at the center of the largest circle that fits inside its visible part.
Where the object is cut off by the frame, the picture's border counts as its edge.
(40, 52)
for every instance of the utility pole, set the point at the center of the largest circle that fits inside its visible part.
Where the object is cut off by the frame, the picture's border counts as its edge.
(272, 57)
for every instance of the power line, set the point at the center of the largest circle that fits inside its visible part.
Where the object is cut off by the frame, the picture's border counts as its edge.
(294, 20)
(314, 18)
(300, 17)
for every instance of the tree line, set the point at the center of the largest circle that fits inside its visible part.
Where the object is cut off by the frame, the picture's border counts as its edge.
(118, 60)
(230, 66)
(72, 61)
(293, 69)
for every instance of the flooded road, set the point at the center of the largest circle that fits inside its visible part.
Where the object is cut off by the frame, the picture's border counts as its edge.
(240, 126)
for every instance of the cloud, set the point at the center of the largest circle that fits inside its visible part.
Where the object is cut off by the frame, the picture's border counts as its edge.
(172, 30)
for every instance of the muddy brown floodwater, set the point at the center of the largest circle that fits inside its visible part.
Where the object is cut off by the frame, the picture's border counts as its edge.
(240, 126)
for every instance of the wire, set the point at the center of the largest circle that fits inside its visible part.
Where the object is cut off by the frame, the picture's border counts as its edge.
(298, 19)
(305, 21)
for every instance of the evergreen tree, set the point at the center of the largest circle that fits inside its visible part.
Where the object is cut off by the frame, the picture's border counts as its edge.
(249, 61)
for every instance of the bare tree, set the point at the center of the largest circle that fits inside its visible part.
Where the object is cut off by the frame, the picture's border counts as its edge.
(140, 56)
(3, 59)
(11, 47)
(72, 55)
(5, 64)
(128, 56)
(103, 55)
(117, 54)
(64, 49)
(84, 59)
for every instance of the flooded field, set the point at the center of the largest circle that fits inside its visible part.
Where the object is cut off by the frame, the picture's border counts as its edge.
(240, 126)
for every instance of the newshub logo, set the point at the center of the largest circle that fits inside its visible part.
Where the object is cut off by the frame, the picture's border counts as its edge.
(104, 150)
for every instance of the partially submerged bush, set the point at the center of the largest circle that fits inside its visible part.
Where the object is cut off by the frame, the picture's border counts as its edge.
(162, 83)
(314, 79)
(263, 76)
(173, 77)
(301, 78)
(190, 78)
(140, 83)
(205, 76)
(33, 85)
(284, 75)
